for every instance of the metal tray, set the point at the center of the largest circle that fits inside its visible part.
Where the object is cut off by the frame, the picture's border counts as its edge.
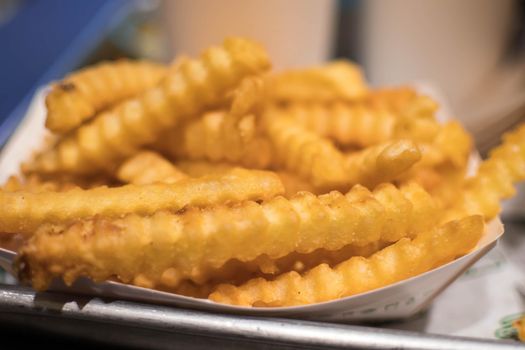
(158, 327)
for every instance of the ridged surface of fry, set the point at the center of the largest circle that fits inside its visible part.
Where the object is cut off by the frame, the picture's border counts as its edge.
(346, 123)
(336, 80)
(84, 93)
(218, 137)
(381, 163)
(196, 168)
(403, 259)
(303, 152)
(191, 88)
(172, 247)
(147, 167)
(62, 207)
(495, 178)
(404, 102)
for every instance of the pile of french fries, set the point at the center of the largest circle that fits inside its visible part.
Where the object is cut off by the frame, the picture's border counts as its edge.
(217, 178)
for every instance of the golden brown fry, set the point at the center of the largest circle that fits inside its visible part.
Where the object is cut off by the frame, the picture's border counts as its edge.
(62, 207)
(218, 137)
(444, 182)
(191, 88)
(166, 247)
(264, 266)
(305, 153)
(38, 183)
(148, 167)
(237, 272)
(454, 142)
(404, 102)
(84, 93)
(334, 81)
(293, 184)
(356, 124)
(196, 168)
(381, 163)
(495, 178)
(519, 325)
(249, 97)
(33, 183)
(361, 123)
(402, 260)
(224, 135)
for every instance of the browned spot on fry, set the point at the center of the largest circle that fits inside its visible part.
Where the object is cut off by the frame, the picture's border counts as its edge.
(66, 86)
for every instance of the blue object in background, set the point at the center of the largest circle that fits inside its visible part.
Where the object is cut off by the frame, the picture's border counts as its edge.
(44, 40)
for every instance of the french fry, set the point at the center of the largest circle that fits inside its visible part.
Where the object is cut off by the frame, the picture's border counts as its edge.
(454, 143)
(381, 163)
(82, 94)
(305, 153)
(357, 124)
(249, 97)
(443, 182)
(34, 184)
(237, 272)
(196, 168)
(148, 167)
(495, 178)
(190, 244)
(293, 184)
(404, 102)
(403, 259)
(38, 183)
(334, 81)
(266, 267)
(192, 87)
(63, 207)
(218, 137)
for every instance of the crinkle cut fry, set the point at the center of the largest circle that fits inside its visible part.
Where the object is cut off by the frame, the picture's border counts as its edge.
(403, 102)
(293, 183)
(237, 272)
(218, 137)
(495, 178)
(404, 259)
(455, 143)
(34, 183)
(305, 153)
(345, 123)
(337, 80)
(84, 93)
(192, 87)
(41, 183)
(381, 163)
(196, 168)
(168, 247)
(23, 212)
(224, 135)
(148, 167)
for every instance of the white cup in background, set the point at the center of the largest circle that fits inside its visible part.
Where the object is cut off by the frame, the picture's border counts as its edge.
(295, 32)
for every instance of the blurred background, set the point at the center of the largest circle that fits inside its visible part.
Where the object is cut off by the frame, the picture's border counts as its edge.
(471, 50)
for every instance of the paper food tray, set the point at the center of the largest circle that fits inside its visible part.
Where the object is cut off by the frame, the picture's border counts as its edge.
(399, 300)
